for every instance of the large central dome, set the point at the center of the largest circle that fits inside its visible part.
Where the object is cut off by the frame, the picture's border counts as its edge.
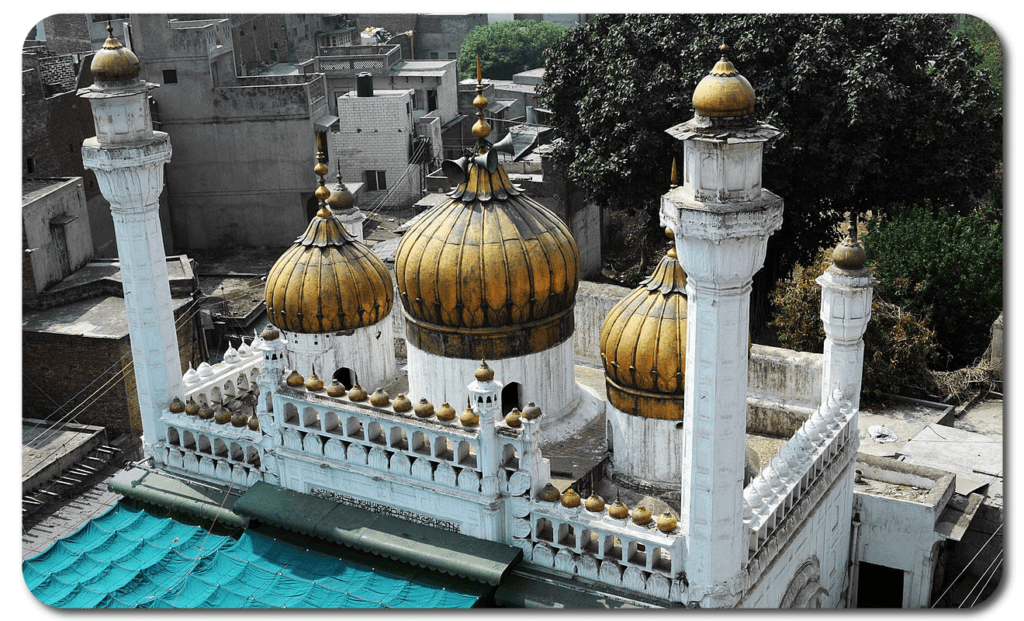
(488, 260)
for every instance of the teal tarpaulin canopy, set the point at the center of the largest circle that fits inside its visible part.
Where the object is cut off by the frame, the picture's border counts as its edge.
(128, 558)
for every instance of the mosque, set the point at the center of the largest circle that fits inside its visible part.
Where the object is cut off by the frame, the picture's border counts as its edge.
(452, 475)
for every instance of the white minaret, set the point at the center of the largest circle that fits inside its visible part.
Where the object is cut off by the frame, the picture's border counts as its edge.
(721, 218)
(846, 289)
(128, 158)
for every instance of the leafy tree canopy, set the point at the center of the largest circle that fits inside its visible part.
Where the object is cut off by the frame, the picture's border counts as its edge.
(874, 110)
(507, 48)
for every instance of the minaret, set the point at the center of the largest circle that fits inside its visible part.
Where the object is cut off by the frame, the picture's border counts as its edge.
(721, 217)
(128, 158)
(846, 288)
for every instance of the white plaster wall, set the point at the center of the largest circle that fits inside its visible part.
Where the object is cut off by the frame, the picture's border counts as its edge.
(547, 378)
(646, 448)
(899, 534)
(369, 352)
(593, 303)
(825, 534)
(66, 197)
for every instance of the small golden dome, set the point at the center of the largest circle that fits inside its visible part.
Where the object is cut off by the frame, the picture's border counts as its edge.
(724, 92)
(270, 333)
(570, 499)
(335, 388)
(549, 494)
(643, 345)
(177, 406)
(618, 510)
(423, 409)
(314, 383)
(223, 416)
(469, 418)
(667, 522)
(484, 373)
(401, 404)
(327, 281)
(380, 398)
(594, 504)
(254, 423)
(340, 198)
(239, 419)
(849, 255)
(191, 407)
(295, 380)
(205, 411)
(512, 419)
(531, 411)
(114, 63)
(358, 393)
(445, 412)
(641, 515)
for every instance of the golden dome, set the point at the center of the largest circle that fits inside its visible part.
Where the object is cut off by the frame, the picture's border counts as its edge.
(254, 423)
(358, 393)
(641, 515)
(618, 510)
(643, 345)
(270, 333)
(531, 411)
(295, 379)
(724, 92)
(223, 416)
(239, 419)
(667, 522)
(469, 418)
(335, 389)
(484, 373)
(594, 504)
(446, 412)
(114, 63)
(401, 404)
(191, 407)
(314, 383)
(327, 281)
(380, 398)
(570, 499)
(423, 409)
(177, 406)
(549, 493)
(340, 198)
(512, 419)
(849, 255)
(205, 411)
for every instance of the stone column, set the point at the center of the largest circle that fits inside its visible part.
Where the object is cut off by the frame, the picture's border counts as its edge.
(846, 291)
(128, 158)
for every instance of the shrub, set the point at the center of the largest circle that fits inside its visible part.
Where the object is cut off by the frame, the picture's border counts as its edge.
(897, 344)
(935, 263)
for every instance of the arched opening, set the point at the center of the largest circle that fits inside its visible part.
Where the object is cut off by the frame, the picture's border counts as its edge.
(511, 395)
(346, 377)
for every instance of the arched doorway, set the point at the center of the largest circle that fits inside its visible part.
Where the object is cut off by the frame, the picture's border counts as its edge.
(346, 377)
(511, 395)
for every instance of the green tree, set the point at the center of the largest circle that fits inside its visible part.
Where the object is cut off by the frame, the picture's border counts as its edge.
(507, 48)
(874, 110)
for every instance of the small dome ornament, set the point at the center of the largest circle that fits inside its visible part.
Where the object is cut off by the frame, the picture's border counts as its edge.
(641, 515)
(849, 254)
(205, 411)
(484, 373)
(401, 404)
(176, 407)
(724, 93)
(295, 380)
(239, 419)
(423, 409)
(667, 522)
(549, 494)
(446, 412)
(469, 418)
(191, 407)
(335, 388)
(223, 416)
(570, 499)
(594, 504)
(531, 411)
(618, 510)
(512, 419)
(314, 383)
(254, 423)
(380, 398)
(357, 394)
(270, 333)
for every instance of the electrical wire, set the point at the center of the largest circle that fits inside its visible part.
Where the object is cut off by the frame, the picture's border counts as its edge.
(969, 563)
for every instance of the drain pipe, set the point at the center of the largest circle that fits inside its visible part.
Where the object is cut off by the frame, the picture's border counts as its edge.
(853, 570)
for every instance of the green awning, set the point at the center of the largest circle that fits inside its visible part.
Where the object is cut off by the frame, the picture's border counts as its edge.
(522, 589)
(417, 544)
(206, 501)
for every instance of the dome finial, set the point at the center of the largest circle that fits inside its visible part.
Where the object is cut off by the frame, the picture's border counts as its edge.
(675, 176)
(322, 193)
(480, 129)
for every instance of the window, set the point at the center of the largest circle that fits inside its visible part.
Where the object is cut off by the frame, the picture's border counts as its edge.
(170, 76)
(418, 99)
(453, 55)
(431, 101)
(375, 180)
(434, 56)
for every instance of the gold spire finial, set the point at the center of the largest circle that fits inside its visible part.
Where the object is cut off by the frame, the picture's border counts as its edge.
(322, 192)
(480, 129)
(675, 176)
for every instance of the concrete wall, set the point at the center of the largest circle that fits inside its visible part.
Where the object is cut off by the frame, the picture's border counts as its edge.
(62, 199)
(783, 389)
(593, 303)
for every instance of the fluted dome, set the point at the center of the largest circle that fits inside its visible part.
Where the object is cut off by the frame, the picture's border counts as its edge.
(340, 198)
(114, 63)
(327, 282)
(643, 345)
(489, 260)
(724, 92)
